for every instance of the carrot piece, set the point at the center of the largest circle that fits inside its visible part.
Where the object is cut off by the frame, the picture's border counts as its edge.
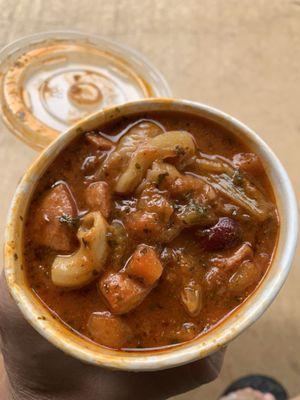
(144, 265)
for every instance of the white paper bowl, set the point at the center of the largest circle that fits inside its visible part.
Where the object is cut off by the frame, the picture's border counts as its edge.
(54, 331)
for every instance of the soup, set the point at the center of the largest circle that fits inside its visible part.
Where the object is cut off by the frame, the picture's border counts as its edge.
(150, 230)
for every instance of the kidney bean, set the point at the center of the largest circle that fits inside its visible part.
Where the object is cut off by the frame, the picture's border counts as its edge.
(223, 235)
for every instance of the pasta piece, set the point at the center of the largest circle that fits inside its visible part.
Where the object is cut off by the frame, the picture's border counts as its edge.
(139, 133)
(246, 196)
(161, 171)
(244, 252)
(178, 144)
(214, 164)
(232, 184)
(86, 263)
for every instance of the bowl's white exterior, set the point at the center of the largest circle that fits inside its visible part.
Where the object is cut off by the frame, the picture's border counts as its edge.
(53, 330)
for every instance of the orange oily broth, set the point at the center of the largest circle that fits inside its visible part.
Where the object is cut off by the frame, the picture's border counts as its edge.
(158, 321)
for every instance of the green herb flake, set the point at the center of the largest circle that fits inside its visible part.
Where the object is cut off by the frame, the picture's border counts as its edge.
(85, 242)
(70, 221)
(179, 150)
(238, 177)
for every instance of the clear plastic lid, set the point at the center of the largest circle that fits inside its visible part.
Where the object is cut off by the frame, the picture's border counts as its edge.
(51, 80)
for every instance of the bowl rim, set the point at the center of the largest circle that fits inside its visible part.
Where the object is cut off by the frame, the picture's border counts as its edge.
(217, 337)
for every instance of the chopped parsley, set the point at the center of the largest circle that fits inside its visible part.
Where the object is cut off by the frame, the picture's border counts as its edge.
(179, 150)
(72, 222)
(161, 177)
(238, 177)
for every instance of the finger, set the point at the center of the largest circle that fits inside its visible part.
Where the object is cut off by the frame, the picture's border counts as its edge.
(163, 384)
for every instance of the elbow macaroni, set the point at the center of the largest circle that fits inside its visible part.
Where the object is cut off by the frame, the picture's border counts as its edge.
(83, 266)
(170, 144)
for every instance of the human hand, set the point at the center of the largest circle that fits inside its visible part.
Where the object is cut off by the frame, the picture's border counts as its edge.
(39, 371)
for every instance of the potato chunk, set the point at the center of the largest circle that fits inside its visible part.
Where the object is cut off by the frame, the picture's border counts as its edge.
(121, 293)
(144, 265)
(108, 330)
(98, 198)
(52, 225)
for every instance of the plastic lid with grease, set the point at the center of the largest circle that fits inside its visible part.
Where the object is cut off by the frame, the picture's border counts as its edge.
(51, 80)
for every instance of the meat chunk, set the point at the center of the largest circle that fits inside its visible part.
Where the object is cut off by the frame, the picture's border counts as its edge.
(152, 200)
(122, 293)
(143, 225)
(125, 290)
(98, 198)
(53, 222)
(144, 265)
(98, 141)
(109, 330)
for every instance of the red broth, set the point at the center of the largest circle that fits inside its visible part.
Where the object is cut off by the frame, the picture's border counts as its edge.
(188, 239)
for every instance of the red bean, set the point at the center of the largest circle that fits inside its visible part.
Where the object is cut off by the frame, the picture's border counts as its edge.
(225, 234)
